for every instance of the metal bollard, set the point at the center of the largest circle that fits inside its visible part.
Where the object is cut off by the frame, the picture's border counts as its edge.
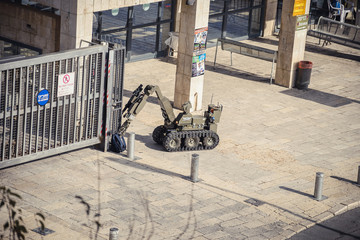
(194, 168)
(319, 187)
(358, 180)
(114, 234)
(131, 145)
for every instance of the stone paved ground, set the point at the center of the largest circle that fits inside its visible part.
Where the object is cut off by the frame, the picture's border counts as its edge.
(273, 141)
(343, 226)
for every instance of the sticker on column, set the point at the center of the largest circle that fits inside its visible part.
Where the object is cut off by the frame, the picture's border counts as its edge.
(66, 84)
(200, 40)
(198, 65)
(43, 97)
(302, 22)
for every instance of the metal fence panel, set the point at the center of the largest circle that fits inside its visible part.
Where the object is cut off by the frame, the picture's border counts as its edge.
(113, 94)
(117, 94)
(29, 130)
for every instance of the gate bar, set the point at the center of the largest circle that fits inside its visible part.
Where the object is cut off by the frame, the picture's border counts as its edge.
(12, 112)
(25, 108)
(51, 102)
(18, 114)
(38, 111)
(82, 99)
(76, 97)
(87, 114)
(92, 119)
(57, 107)
(5, 110)
(63, 108)
(70, 98)
(50, 57)
(32, 108)
(44, 119)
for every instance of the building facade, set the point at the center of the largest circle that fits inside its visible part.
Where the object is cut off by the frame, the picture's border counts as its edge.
(141, 25)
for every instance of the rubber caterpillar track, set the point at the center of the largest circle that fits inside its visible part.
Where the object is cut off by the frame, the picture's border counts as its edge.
(186, 140)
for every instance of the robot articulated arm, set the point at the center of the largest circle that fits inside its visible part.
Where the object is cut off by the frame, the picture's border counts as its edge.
(182, 133)
(137, 102)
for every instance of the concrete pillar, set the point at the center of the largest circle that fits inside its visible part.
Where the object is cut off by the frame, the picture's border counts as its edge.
(76, 23)
(270, 17)
(188, 88)
(291, 44)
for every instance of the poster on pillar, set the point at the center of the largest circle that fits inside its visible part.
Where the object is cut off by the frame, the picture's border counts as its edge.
(200, 41)
(198, 65)
(198, 61)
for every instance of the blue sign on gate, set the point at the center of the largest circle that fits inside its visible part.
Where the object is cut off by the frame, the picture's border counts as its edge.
(43, 97)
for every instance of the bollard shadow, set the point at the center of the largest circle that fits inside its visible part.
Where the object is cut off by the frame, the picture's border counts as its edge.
(320, 97)
(296, 191)
(146, 167)
(321, 225)
(191, 211)
(345, 180)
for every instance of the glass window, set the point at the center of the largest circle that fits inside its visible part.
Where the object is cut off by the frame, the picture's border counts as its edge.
(236, 19)
(146, 13)
(257, 3)
(216, 6)
(255, 22)
(237, 25)
(164, 34)
(9, 49)
(166, 10)
(239, 4)
(143, 40)
(214, 28)
(113, 18)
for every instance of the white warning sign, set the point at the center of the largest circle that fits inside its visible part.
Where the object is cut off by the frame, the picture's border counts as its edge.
(66, 84)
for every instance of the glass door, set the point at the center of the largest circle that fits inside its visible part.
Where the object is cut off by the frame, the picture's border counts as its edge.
(235, 19)
(143, 29)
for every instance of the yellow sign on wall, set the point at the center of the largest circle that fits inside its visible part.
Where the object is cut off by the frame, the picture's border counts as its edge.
(299, 7)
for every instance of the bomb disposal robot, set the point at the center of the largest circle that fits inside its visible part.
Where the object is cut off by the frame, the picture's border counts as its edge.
(182, 133)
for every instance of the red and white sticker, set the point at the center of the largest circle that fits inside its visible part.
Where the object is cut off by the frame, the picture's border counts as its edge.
(66, 84)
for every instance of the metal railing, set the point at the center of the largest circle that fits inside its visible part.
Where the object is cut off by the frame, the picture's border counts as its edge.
(40, 115)
(248, 50)
(337, 32)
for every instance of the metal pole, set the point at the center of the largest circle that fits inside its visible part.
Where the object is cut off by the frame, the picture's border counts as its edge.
(318, 186)
(217, 42)
(358, 179)
(114, 234)
(194, 168)
(131, 145)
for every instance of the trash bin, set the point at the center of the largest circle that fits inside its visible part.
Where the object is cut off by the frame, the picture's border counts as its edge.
(303, 75)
